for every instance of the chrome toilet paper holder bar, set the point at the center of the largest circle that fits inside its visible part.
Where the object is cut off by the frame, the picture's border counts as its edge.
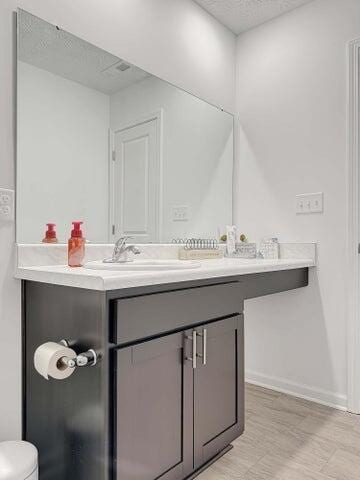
(84, 359)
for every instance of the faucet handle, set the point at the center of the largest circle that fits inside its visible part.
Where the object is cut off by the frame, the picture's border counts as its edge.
(122, 240)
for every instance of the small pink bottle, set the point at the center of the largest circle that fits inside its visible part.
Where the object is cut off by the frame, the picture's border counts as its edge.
(50, 234)
(76, 246)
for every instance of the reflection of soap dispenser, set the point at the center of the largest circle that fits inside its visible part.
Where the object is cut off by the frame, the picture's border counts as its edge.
(50, 234)
(76, 246)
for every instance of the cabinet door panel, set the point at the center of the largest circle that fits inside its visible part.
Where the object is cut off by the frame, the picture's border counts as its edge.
(154, 411)
(218, 389)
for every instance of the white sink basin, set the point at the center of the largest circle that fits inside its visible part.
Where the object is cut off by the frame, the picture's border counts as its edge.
(144, 265)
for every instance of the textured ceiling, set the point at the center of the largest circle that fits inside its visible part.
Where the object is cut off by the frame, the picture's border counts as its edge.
(241, 15)
(49, 48)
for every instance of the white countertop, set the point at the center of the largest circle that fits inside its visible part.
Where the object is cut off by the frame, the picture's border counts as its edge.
(105, 280)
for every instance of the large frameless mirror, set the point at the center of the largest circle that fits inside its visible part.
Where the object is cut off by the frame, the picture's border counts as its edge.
(102, 141)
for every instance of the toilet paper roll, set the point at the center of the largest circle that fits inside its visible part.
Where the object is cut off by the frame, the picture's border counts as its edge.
(47, 360)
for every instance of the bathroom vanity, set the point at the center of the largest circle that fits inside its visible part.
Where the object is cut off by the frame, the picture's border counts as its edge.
(166, 397)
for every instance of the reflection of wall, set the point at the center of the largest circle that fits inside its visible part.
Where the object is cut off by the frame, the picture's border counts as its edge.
(197, 154)
(72, 122)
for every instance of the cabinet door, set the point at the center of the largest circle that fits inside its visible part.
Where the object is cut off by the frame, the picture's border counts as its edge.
(154, 421)
(218, 387)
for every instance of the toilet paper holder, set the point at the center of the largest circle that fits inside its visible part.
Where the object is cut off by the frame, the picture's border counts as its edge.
(84, 359)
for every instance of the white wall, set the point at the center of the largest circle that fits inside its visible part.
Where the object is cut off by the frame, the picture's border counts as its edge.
(197, 151)
(73, 123)
(291, 83)
(175, 40)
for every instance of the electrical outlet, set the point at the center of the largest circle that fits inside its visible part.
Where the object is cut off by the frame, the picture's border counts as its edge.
(180, 213)
(7, 205)
(310, 203)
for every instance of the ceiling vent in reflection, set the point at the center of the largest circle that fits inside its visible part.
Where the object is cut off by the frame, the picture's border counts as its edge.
(122, 67)
(61, 53)
(116, 69)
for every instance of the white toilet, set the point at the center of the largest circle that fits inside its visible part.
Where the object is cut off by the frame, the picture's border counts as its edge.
(18, 461)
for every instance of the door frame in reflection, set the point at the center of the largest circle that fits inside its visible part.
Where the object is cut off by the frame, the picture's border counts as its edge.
(157, 118)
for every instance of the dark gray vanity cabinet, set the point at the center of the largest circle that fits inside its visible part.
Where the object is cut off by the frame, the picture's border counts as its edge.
(166, 397)
(219, 388)
(154, 421)
(175, 411)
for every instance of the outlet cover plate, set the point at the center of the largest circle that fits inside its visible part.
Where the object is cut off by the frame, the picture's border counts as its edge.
(7, 205)
(180, 213)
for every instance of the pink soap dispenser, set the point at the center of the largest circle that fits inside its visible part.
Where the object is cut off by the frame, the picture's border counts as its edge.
(50, 234)
(76, 246)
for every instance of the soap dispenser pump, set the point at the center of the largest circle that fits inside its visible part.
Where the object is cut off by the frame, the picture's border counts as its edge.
(76, 246)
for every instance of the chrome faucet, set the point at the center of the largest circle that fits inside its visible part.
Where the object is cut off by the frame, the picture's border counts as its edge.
(121, 251)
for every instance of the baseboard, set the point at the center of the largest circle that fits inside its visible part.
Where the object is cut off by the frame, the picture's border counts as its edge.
(317, 395)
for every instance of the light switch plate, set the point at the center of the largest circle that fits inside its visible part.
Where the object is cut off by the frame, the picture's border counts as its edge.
(307, 203)
(7, 205)
(180, 213)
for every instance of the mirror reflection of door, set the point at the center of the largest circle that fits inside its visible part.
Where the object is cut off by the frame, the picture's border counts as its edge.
(136, 182)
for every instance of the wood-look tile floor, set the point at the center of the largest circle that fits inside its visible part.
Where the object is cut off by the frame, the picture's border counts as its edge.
(287, 438)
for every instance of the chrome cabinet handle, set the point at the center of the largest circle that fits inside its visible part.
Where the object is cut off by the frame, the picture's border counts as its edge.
(193, 359)
(204, 346)
(203, 335)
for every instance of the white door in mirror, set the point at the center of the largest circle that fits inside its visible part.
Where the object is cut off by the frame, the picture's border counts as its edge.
(7, 205)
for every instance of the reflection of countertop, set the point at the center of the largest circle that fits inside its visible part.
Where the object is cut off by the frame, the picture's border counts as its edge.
(104, 280)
